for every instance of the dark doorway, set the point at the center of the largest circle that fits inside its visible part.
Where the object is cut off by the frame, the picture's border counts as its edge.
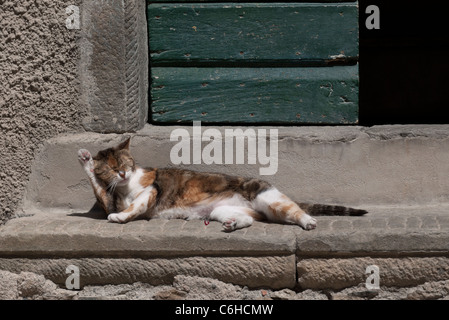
(404, 66)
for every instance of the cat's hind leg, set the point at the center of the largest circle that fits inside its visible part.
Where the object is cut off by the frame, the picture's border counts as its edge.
(279, 208)
(233, 217)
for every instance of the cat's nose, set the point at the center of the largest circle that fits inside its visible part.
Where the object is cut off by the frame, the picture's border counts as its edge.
(122, 174)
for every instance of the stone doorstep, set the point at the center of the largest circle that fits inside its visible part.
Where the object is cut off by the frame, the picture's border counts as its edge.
(356, 166)
(152, 251)
(264, 255)
(384, 231)
(80, 235)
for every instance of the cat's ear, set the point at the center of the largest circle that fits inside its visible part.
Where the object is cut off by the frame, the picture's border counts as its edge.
(124, 144)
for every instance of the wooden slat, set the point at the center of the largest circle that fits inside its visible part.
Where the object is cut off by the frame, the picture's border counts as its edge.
(182, 33)
(249, 95)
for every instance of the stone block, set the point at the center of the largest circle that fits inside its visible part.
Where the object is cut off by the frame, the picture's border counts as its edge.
(341, 273)
(274, 272)
(114, 65)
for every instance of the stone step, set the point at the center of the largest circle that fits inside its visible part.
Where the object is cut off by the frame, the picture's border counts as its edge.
(413, 238)
(383, 165)
(397, 173)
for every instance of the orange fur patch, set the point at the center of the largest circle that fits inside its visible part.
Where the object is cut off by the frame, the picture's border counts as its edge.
(275, 209)
(254, 214)
(285, 210)
(290, 207)
(193, 193)
(191, 197)
(130, 208)
(148, 178)
(151, 199)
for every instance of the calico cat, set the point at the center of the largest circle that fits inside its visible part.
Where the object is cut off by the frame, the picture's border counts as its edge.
(127, 191)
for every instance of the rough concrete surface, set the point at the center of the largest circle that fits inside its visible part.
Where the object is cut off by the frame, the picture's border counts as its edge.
(28, 285)
(31, 286)
(56, 79)
(342, 273)
(384, 231)
(39, 88)
(83, 235)
(270, 272)
(333, 256)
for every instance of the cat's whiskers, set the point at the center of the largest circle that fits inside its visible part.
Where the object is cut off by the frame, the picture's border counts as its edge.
(111, 187)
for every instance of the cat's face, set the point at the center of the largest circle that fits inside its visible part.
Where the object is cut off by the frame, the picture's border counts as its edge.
(114, 166)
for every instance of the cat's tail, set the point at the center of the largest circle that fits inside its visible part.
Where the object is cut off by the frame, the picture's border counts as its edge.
(330, 210)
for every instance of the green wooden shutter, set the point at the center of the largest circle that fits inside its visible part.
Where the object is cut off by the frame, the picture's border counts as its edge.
(271, 63)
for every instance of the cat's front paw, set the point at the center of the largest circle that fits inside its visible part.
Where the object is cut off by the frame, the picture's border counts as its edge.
(85, 158)
(116, 217)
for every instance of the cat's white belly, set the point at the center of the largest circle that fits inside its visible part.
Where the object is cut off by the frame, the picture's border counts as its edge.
(188, 213)
(203, 209)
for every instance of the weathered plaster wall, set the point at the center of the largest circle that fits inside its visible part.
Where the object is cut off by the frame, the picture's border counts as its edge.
(39, 88)
(57, 80)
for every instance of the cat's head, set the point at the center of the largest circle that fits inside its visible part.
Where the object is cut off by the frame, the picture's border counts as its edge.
(115, 166)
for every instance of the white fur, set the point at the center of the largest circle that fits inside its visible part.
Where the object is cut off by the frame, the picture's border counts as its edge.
(236, 200)
(132, 193)
(132, 189)
(272, 195)
(85, 158)
(203, 209)
(232, 217)
(189, 213)
(307, 222)
(265, 198)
